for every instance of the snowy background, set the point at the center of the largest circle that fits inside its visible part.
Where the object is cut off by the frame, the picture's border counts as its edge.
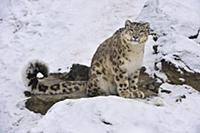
(69, 31)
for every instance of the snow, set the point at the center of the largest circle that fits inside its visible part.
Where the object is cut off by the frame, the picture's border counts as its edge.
(68, 31)
(118, 115)
(174, 22)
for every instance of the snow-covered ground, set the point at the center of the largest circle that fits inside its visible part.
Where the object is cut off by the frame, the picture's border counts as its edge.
(68, 31)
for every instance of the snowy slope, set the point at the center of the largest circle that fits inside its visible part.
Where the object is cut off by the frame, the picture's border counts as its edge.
(118, 115)
(68, 31)
(174, 22)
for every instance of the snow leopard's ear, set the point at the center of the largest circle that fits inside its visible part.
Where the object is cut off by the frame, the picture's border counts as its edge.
(146, 25)
(127, 23)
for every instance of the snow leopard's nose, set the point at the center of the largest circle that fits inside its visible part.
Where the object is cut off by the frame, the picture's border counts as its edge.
(135, 38)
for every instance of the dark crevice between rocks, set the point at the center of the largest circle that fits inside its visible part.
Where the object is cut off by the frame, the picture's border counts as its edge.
(180, 98)
(195, 36)
(155, 39)
(106, 122)
(165, 91)
(155, 49)
(147, 84)
(1, 20)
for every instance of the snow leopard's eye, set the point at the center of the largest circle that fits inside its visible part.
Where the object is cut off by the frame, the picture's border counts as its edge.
(142, 31)
(131, 30)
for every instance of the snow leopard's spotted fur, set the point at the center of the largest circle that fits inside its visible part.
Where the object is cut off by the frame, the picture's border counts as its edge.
(114, 68)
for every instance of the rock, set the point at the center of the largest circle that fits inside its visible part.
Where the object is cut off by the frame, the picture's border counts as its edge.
(180, 76)
(41, 103)
(148, 84)
(38, 106)
(78, 72)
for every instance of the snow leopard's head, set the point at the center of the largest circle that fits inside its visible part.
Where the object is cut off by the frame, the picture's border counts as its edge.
(135, 32)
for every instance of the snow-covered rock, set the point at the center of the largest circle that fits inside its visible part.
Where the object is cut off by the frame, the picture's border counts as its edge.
(119, 115)
(174, 22)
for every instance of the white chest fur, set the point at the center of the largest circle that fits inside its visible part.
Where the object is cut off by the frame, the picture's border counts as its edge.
(135, 59)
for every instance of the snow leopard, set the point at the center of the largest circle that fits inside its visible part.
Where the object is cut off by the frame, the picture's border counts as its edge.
(114, 68)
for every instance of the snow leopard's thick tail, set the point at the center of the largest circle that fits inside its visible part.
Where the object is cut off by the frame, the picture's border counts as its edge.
(33, 71)
(50, 86)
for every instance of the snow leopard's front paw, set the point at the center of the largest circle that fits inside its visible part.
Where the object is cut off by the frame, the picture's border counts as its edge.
(138, 94)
